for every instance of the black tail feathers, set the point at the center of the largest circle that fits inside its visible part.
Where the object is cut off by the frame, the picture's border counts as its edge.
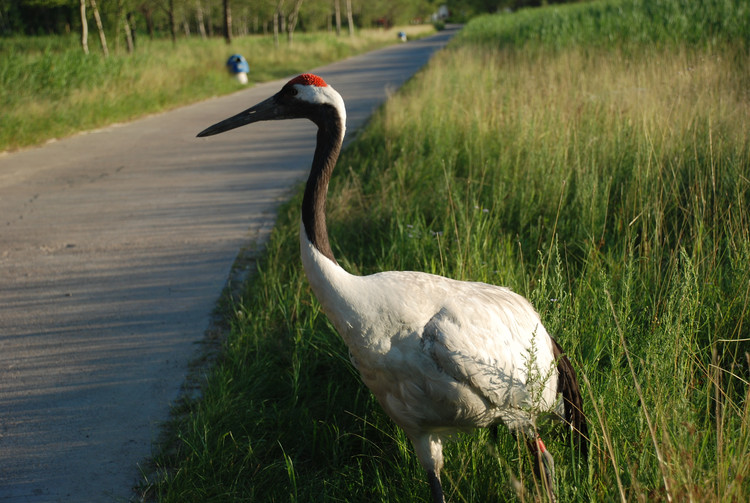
(567, 385)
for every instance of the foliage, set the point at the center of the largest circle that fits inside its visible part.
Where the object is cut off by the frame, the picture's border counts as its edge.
(36, 17)
(49, 88)
(606, 180)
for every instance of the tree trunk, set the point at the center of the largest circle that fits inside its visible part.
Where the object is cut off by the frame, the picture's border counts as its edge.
(337, 8)
(84, 28)
(118, 16)
(199, 15)
(102, 36)
(244, 28)
(278, 16)
(227, 22)
(276, 29)
(293, 18)
(349, 17)
(172, 23)
(130, 21)
(148, 14)
(128, 34)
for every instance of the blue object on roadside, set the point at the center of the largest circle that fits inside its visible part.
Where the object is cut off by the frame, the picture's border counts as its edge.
(237, 64)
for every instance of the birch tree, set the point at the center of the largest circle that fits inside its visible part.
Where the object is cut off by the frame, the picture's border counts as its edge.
(350, 17)
(292, 23)
(129, 38)
(200, 20)
(84, 28)
(100, 27)
(278, 16)
(337, 14)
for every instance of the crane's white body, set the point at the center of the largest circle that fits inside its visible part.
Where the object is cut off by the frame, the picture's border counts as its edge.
(440, 355)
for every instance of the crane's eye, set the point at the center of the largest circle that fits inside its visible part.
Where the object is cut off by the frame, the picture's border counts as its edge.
(294, 91)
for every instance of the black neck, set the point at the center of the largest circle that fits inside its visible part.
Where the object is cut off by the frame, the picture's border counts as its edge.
(330, 136)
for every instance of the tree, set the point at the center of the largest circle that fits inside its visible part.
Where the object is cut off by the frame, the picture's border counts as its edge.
(147, 9)
(128, 22)
(278, 17)
(34, 17)
(227, 22)
(337, 9)
(172, 22)
(349, 17)
(169, 9)
(124, 18)
(293, 18)
(84, 28)
(100, 27)
(200, 20)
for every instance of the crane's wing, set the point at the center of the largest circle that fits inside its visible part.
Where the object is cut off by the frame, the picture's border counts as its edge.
(493, 342)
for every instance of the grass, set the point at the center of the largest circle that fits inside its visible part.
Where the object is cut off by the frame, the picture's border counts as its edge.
(607, 181)
(50, 89)
(619, 24)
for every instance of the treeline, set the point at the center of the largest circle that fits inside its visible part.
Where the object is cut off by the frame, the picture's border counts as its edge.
(228, 18)
(206, 17)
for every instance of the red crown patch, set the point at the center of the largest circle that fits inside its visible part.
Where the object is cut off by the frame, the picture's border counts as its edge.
(308, 79)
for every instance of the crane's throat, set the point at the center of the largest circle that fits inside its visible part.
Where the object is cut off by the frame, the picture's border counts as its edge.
(330, 138)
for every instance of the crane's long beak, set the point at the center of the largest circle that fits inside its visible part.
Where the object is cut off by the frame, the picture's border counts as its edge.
(265, 110)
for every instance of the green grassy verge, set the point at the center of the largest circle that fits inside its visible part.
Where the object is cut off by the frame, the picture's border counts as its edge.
(50, 89)
(619, 24)
(607, 181)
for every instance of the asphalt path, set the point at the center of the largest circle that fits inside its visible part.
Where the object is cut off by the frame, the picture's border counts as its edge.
(114, 248)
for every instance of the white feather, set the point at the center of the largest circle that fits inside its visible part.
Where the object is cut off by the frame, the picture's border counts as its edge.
(440, 355)
(322, 95)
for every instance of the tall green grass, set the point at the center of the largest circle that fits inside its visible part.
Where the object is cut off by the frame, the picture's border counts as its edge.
(609, 183)
(619, 23)
(50, 89)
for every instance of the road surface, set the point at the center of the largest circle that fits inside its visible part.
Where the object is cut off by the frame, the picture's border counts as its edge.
(114, 249)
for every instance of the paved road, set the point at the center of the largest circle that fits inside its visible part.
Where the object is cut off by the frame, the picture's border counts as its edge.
(114, 247)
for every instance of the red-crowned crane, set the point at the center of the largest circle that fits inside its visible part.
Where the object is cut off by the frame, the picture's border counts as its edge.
(440, 355)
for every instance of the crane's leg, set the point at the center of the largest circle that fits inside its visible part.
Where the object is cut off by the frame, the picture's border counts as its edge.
(544, 458)
(435, 487)
(429, 449)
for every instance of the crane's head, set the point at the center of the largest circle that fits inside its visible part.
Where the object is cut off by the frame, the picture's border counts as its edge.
(306, 96)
